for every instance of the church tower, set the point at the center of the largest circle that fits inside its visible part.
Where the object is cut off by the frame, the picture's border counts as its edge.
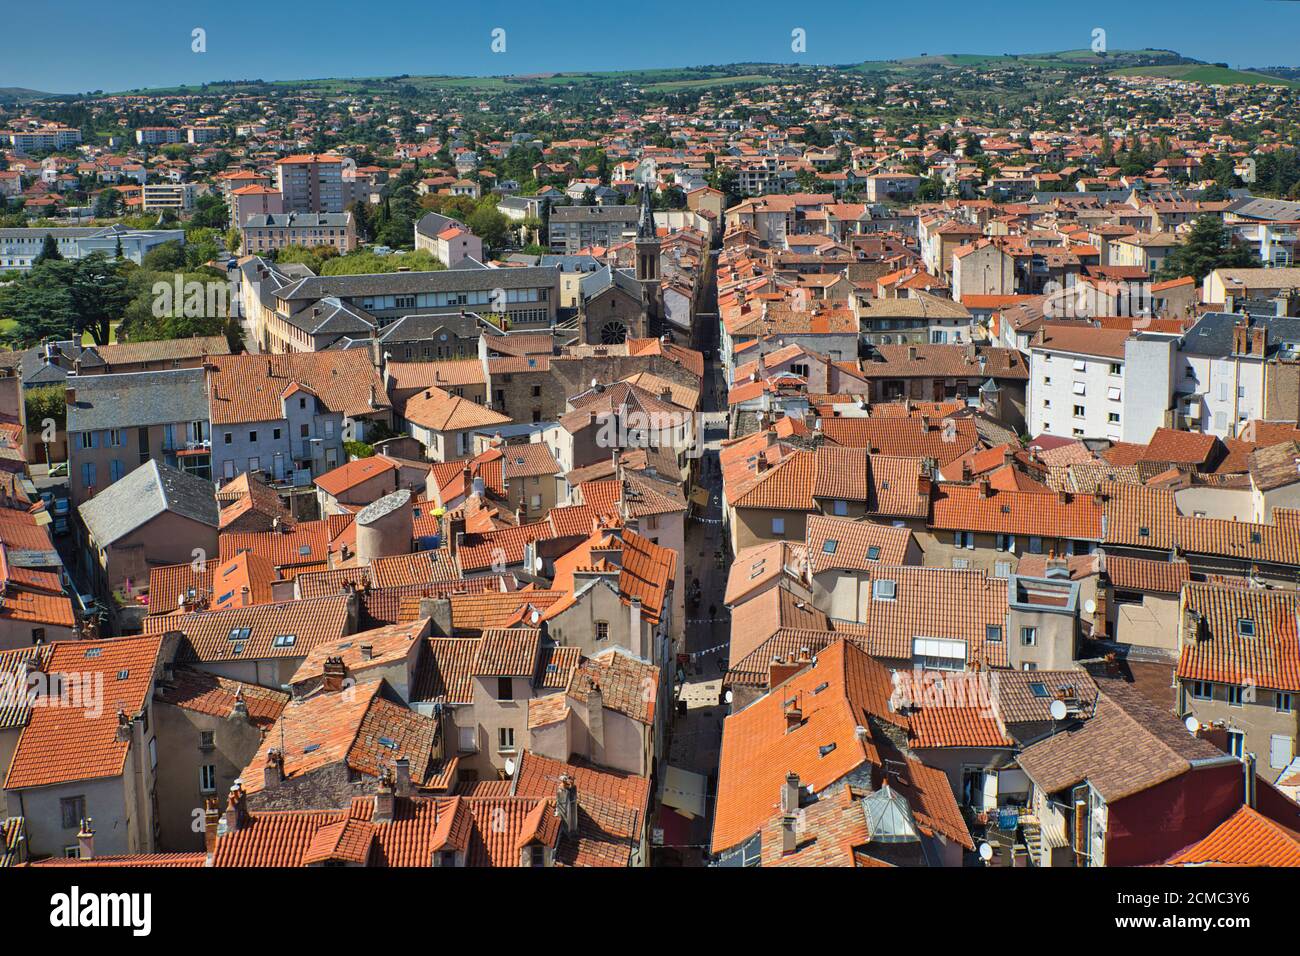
(647, 262)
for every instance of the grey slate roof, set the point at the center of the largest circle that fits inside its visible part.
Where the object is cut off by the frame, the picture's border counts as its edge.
(627, 214)
(337, 220)
(1273, 210)
(144, 494)
(597, 282)
(471, 277)
(1212, 334)
(134, 399)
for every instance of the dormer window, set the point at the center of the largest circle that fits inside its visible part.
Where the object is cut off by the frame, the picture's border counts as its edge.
(829, 546)
(1245, 627)
(884, 589)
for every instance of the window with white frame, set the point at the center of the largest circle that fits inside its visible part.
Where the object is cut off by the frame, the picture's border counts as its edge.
(938, 654)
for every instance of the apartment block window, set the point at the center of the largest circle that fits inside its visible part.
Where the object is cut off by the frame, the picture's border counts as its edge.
(1029, 637)
(1079, 389)
(208, 778)
(1080, 365)
(505, 688)
(1080, 411)
(993, 633)
(1201, 690)
(964, 539)
(506, 739)
(1006, 542)
(73, 811)
(1113, 393)
(1112, 417)
(602, 630)
(1116, 368)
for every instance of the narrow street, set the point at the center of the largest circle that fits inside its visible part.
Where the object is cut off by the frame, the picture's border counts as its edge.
(697, 731)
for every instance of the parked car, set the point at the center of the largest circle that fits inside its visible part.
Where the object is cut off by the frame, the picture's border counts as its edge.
(59, 470)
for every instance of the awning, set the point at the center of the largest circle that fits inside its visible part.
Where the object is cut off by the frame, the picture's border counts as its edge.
(684, 791)
(699, 496)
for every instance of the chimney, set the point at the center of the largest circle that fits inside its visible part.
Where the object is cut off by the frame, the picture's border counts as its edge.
(790, 793)
(334, 672)
(273, 772)
(781, 670)
(239, 709)
(123, 728)
(596, 723)
(789, 840)
(986, 490)
(1191, 626)
(793, 716)
(86, 839)
(404, 788)
(367, 652)
(236, 810)
(1248, 770)
(211, 819)
(566, 805)
(385, 797)
(966, 473)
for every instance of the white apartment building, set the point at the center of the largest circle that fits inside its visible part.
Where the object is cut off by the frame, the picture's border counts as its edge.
(1222, 368)
(178, 197)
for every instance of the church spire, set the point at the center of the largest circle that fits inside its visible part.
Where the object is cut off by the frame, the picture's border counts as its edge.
(646, 225)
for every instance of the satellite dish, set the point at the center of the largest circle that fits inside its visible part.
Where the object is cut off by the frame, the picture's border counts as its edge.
(1192, 724)
(1090, 606)
(537, 565)
(535, 617)
(1057, 710)
(986, 852)
(510, 767)
(727, 697)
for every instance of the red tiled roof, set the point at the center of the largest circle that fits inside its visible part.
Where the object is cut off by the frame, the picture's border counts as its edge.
(61, 744)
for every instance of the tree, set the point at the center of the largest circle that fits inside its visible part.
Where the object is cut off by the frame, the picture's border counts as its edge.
(489, 225)
(49, 250)
(99, 295)
(165, 257)
(210, 212)
(108, 204)
(1208, 247)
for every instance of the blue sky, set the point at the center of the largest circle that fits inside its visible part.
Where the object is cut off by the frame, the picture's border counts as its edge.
(125, 44)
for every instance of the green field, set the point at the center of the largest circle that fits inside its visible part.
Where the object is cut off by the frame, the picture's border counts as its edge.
(664, 79)
(1208, 74)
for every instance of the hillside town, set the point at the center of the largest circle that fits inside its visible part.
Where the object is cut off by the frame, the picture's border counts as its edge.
(819, 467)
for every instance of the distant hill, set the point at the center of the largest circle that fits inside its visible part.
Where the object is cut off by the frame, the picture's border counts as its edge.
(1209, 74)
(19, 94)
(1062, 59)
